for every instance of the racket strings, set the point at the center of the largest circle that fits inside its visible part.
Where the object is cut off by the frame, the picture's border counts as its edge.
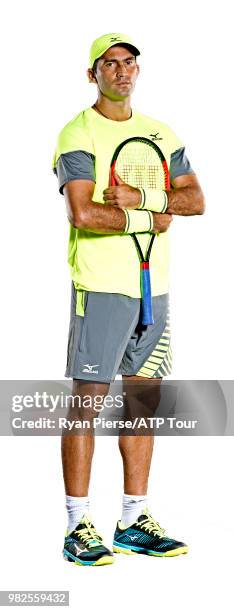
(140, 166)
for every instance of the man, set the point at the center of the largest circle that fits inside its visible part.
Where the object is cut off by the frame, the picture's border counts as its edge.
(106, 336)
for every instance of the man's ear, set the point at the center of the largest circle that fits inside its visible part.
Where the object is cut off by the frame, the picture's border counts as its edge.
(91, 76)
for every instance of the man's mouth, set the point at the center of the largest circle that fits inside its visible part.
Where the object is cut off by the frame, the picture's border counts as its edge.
(123, 82)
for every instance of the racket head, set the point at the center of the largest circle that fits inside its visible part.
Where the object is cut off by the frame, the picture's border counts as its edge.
(140, 163)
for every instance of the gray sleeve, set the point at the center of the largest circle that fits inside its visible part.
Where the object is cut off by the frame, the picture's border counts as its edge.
(74, 165)
(180, 164)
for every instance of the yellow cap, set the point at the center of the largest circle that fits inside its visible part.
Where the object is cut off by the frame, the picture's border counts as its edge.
(100, 45)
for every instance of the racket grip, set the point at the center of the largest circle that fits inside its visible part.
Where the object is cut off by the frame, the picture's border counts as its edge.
(146, 298)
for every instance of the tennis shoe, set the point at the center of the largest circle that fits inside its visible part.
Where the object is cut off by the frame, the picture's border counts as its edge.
(145, 536)
(83, 546)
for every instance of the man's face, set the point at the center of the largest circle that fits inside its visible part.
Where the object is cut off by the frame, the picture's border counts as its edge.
(116, 73)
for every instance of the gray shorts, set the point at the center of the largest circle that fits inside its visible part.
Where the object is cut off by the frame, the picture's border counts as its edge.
(109, 339)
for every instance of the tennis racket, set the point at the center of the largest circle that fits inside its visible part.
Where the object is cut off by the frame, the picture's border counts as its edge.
(140, 163)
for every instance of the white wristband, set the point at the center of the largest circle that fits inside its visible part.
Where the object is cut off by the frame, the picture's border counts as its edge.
(142, 203)
(138, 221)
(153, 199)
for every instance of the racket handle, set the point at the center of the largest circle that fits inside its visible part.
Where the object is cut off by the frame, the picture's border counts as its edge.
(146, 298)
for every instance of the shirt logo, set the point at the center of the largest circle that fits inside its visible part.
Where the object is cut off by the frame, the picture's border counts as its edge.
(89, 368)
(155, 136)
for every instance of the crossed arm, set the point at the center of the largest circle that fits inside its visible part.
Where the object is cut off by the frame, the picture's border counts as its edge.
(186, 198)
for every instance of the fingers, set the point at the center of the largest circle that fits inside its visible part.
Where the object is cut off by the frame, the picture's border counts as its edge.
(162, 221)
(118, 180)
(112, 203)
(109, 193)
(112, 195)
(109, 197)
(122, 195)
(115, 179)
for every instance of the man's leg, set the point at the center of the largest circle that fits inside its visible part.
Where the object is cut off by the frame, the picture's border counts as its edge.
(136, 450)
(149, 346)
(138, 532)
(82, 545)
(77, 450)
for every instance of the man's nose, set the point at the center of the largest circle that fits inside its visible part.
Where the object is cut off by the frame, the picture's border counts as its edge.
(121, 69)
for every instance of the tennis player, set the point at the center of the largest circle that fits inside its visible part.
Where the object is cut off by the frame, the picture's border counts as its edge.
(106, 336)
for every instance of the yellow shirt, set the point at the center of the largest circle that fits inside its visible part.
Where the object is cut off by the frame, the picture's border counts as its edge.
(109, 263)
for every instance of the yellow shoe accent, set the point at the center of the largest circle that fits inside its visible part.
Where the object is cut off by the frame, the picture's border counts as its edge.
(171, 553)
(105, 560)
(126, 551)
(75, 562)
(178, 551)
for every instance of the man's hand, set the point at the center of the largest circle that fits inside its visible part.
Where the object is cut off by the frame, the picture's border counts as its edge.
(162, 222)
(122, 195)
(83, 213)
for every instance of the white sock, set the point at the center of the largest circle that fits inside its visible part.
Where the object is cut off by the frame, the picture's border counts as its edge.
(76, 508)
(132, 508)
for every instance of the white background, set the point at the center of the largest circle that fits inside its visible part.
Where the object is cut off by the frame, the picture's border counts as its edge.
(185, 81)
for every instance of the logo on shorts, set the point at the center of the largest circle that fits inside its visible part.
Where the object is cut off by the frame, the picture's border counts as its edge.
(89, 368)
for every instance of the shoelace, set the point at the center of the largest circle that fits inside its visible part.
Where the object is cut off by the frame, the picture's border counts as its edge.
(152, 526)
(89, 535)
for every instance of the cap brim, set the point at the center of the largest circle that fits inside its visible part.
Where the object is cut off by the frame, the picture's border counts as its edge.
(129, 46)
